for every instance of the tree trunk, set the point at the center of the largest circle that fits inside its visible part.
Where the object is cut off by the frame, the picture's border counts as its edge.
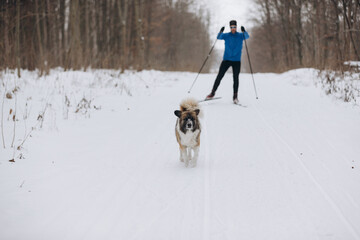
(61, 33)
(6, 39)
(75, 43)
(339, 56)
(123, 16)
(18, 38)
(93, 34)
(148, 32)
(51, 30)
(38, 30)
(67, 34)
(140, 43)
(45, 37)
(298, 30)
(324, 40)
(87, 36)
(270, 32)
(103, 36)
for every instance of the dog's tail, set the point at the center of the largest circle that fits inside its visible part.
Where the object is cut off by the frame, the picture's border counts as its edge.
(190, 104)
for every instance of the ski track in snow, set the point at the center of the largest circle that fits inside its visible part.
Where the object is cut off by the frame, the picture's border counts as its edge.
(313, 179)
(207, 183)
(279, 168)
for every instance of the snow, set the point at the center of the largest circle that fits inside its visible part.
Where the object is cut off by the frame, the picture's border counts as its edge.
(286, 166)
(353, 63)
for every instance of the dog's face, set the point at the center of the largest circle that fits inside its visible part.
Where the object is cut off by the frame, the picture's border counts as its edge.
(188, 120)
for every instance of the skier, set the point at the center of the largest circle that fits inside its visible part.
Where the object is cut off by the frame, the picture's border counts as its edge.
(232, 57)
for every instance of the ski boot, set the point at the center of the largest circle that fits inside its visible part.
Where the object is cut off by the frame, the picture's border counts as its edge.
(235, 99)
(210, 96)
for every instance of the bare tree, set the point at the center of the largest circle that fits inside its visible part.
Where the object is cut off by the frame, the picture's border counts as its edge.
(18, 39)
(40, 45)
(75, 53)
(140, 43)
(122, 11)
(6, 46)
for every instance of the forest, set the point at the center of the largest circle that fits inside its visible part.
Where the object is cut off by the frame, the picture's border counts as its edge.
(290, 34)
(170, 35)
(116, 34)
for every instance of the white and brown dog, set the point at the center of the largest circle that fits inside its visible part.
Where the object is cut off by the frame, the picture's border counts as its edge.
(188, 131)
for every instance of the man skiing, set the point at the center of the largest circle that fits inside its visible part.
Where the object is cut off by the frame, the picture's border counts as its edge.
(232, 57)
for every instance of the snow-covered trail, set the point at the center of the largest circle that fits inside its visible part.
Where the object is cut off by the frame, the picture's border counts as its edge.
(286, 166)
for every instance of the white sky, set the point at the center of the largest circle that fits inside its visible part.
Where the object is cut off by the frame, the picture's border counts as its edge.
(222, 11)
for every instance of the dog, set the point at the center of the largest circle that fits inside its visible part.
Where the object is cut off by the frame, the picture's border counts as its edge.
(187, 131)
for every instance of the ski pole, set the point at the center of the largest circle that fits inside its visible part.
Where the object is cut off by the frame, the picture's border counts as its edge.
(252, 75)
(202, 65)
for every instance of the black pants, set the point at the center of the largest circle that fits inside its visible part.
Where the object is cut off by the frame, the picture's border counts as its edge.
(223, 68)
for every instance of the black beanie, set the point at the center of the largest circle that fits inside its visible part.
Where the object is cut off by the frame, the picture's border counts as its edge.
(233, 22)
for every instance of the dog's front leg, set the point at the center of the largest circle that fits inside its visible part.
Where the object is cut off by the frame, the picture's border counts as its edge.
(187, 156)
(195, 157)
(183, 154)
(189, 153)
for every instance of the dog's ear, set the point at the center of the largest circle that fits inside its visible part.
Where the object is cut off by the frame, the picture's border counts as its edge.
(177, 113)
(197, 111)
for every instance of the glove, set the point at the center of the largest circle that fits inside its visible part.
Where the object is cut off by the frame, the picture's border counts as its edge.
(242, 29)
(222, 29)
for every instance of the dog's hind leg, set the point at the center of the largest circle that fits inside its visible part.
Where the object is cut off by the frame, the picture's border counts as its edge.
(195, 157)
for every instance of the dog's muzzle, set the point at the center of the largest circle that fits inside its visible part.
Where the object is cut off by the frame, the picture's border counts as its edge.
(189, 124)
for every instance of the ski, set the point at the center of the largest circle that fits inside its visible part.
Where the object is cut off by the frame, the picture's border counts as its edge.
(209, 99)
(240, 105)
(216, 98)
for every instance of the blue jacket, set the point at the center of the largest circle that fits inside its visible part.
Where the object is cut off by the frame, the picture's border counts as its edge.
(233, 44)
